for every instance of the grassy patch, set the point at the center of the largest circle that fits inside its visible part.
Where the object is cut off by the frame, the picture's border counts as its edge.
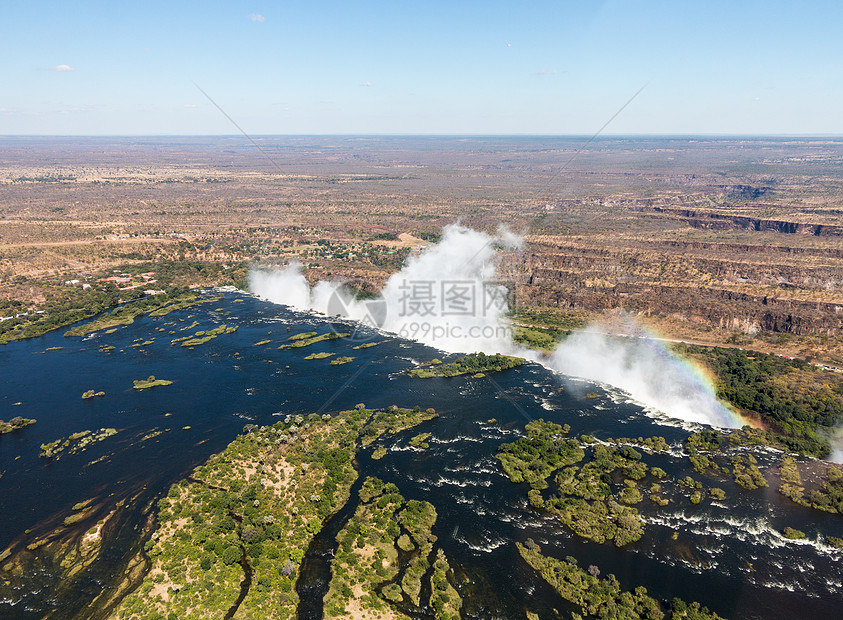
(470, 364)
(16, 423)
(308, 338)
(150, 382)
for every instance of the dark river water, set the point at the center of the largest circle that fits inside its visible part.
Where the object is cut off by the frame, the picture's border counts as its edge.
(727, 555)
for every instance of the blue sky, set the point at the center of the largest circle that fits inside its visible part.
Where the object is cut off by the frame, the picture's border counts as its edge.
(562, 67)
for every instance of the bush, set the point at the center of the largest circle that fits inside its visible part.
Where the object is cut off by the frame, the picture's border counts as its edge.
(231, 555)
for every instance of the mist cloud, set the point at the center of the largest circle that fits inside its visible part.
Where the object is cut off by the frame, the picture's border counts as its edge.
(445, 297)
(645, 368)
(442, 297)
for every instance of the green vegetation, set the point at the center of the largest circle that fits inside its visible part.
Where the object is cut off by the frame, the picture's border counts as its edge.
(153, 305)
(707, 441)
(744, 467)
(384, 236)
(630, 494)
(746, 472)
(308, 338)
(800, 402)
(420, 441)
(182, 304)
(706, 447)
(827, 494)
(598, 520)
(835, 542)
(77, 442)
(602, 597)
(793, 534)
(341, 360)
(394, 420)
(657, 499)
(91, 393)
(368, 345)
(541, 339)
(717, 493)
(76, 517)
(302, 336)
(384, 552)
(64, 305)
(650, 445)
(319, 356)
(790, 484)
(444, 598)
(658, 473)
(203, 336)
(252, 510)
(14, 424)
(542, 329)
(596, 499)
(150, 382)
(470, 364)
(533, 458)
(82, 505)
(584, 502)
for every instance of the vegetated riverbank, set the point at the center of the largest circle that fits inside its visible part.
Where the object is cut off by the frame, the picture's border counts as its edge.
(231, 537)
(154, 305)
(66, 303)
(800, 404)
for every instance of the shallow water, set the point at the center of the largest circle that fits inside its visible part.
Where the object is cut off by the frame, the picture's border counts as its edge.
(730, 556)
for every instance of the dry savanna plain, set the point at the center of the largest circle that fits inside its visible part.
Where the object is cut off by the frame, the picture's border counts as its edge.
(726, 241)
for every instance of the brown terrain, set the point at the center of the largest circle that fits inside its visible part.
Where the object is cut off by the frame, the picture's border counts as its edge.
(717, 241)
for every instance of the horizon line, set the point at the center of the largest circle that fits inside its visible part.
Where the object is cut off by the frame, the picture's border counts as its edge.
(430, 135)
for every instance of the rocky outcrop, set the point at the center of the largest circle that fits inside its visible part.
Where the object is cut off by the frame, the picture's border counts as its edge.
(723, 221)
(714, 307)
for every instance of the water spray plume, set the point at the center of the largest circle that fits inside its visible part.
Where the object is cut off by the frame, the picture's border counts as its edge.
(836, 442)
(642, 366)
(414, 304)
(444, 296)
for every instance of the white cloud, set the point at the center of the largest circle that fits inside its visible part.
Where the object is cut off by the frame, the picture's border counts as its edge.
(367, 84)
(62, 68)
(257, 17)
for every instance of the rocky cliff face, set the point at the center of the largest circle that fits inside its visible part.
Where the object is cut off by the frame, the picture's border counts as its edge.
(716, 308)
(747, 291)
(723, 221)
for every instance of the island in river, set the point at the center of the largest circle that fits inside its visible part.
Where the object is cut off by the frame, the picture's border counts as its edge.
(231, 538)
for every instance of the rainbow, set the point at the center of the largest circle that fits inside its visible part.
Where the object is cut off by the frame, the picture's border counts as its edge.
(637, 360)
(729, 416)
